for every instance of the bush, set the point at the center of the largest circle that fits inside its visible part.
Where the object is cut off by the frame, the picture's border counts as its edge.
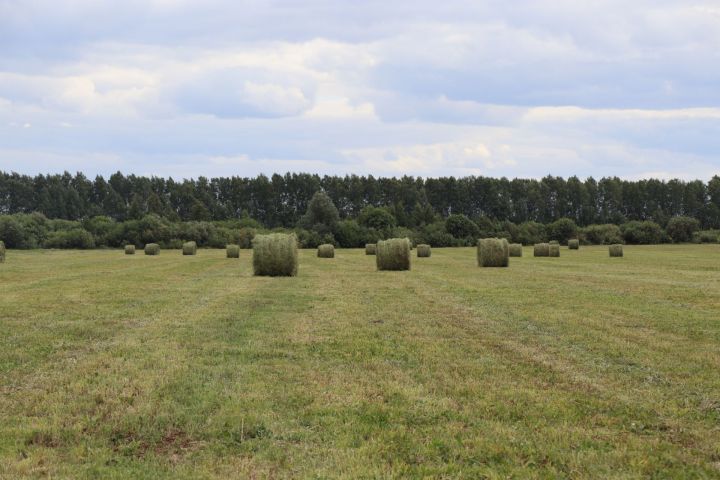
(349, 234)
(275, 255)
(493, 252)
(554, 250)
(602, 234)
(573, 244)
(189, 248)
(370, 248)
(326, 250)
(232, 251)
(530, 233)
(681, 229)
(541, 250)
(461, 227)
(77, 238)
(378, 219)
(152, 249)
(423, 250)
(706, 236)
(434, 234)
(616, 250)
(393, 254)
(642, 233)
(245, 237)
(515, 250)
(129, 249)
(562, 230)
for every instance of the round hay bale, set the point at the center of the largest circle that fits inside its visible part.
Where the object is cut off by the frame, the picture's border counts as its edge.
(275, 255)
(554, 250)
(152, 249)
(393, 254)
(554, 242)
(493, 252)
(232, 251)
(515, 249)
(189, 248)
(2, 251)
(573, 244)
(370, 248)
(541, 250)
(326, 250)
(129, 249)
(616, 250)
(423, 250)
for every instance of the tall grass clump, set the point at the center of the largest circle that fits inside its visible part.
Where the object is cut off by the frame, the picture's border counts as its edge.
(573, 244)
(189, 248)
(423, 250)
(2, 251)
(370, 248)
(326, 250)
(129, 249)
(515, 249)
(232, 251)
(275, 255)
(393, 254)
(493, 252)
(554, 250)
(616, 250)
(152, 249)
(541, 250)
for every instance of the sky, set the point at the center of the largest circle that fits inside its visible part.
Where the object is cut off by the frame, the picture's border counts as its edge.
(521, 88)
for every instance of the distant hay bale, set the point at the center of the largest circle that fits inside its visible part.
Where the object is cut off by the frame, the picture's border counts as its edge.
(152, 249)
(493, 252)
(129, 249)
(573, 244)
(423, 250)
(515, 249)
(233, 251)
(616, 250)
(553, 250)
(189, 248)
(541, 250)
(275, 255)
(393, 254)
(2, 251)
(554, 242)
(370, 248)
(326, 250)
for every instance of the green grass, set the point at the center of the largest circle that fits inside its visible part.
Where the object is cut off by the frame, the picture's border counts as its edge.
(118, 366)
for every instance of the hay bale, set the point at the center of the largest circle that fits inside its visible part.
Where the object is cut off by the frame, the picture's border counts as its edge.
(541, 250)
(152, 249)
(573, 244)
(189, 248)
(326, 250)
(553, 250)
(423, 250)
(275, 255)
(554, 242)
(515, 249)
(129, 249)
(393, 254)
(232, 251)
(493, 252)
(370, 248)
(616, 250)
(2, 251)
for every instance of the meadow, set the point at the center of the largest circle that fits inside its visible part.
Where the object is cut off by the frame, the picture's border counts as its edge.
(172, 366)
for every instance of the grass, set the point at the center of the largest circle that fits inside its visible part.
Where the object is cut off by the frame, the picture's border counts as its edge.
(115, 366)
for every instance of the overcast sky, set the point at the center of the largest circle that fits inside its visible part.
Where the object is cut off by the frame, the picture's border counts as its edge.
(426, 88)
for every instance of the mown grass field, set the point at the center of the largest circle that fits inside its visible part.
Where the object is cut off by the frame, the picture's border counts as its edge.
(115, 366)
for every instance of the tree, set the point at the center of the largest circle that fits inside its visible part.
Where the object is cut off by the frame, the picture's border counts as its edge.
(562, 230)
(460, 226)
(377, 218)
(321, 216)
(681, 228)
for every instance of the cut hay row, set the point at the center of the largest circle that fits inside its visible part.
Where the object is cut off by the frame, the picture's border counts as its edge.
(152, 249)
(573, 244)
(393, 254)
(554, 250)
(515, 249)
(493, 252)
(541, 250)
(129, 249)
(370, 248)
(423, 250)
(275, 255)
(2, 251)
(326, 250)
(616, 250)
(189, 248)
(232, 251)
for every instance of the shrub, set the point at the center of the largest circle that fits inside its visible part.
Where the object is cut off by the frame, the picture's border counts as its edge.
(493, 252)
(707, 236)
(554, 250)
(573, 244)
(129, 249)
(616, 250)
(460, 226)
(2, 251)
(530, 233)
(515, 250)
(562, 230)
(541, 250)
(370, 248)
(681, 229)
(189, 248)
(377, 218)
(152, 249)
(77, 238)
(423, 250)
(349, 234)
(393, 254)
(642, 233)
(326, 250)
(232, 251)
(275, 255)
(602, 234)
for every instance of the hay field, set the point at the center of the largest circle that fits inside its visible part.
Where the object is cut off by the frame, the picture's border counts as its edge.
(583, 366)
